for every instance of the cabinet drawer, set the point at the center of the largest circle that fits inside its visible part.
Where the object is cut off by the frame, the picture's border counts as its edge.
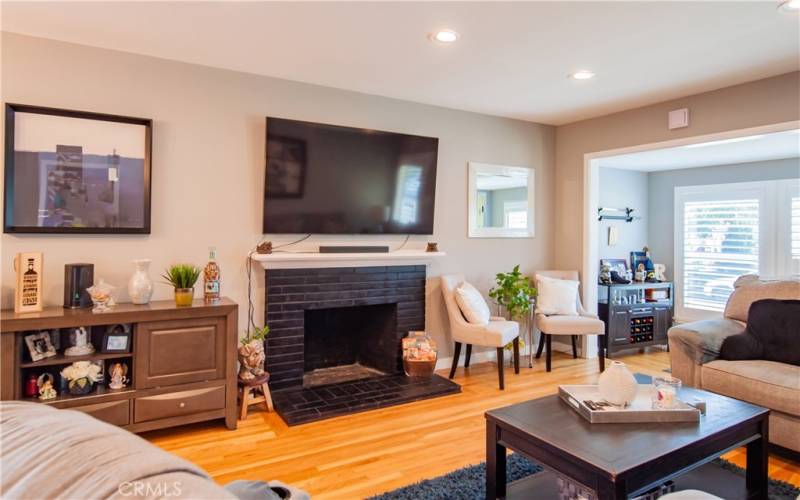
(175, 404)
(180, 352)
(113, 412)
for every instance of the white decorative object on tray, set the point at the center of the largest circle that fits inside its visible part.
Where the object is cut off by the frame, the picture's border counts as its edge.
(617, 384)
(589, 403)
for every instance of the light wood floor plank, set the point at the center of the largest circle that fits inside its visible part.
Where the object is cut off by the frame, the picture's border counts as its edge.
(367, 453)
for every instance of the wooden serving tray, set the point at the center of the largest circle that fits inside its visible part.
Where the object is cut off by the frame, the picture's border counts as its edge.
(640, 410)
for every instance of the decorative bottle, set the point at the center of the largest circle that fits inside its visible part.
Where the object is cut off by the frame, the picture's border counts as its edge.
(211, 277)
(30, 286)
(140, 286)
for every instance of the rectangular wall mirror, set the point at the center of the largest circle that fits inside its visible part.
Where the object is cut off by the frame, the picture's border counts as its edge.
(501, 201)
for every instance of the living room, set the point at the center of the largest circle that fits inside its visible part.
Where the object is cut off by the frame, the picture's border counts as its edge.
(208, 95)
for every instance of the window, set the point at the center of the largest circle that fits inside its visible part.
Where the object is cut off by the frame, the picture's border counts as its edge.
(727, 230)
(720, 243)
(516, 214)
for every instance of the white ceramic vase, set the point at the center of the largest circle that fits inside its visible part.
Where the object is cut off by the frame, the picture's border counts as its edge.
(140, 286)
(617, 385)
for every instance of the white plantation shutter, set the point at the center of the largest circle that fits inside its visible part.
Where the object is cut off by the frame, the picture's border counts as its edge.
(720, 243)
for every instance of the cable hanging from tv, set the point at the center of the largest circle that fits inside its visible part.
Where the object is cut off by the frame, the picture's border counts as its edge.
(609, 213)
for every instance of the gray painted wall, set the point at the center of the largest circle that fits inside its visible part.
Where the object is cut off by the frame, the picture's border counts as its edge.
(662, 195)
(620, 189)
(208, 134)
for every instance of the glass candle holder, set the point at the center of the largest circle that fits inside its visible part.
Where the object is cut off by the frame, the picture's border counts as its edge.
(665, 394)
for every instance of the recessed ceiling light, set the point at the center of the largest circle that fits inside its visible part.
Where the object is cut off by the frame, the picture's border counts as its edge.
(444, 36)
(790, 5)
(583, 74)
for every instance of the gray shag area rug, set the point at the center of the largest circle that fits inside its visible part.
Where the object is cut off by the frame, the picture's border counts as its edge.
(468, 483)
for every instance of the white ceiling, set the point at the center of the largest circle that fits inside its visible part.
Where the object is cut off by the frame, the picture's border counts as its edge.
(512, 59)
(741, 150)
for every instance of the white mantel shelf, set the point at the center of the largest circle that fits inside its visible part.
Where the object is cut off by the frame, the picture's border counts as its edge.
(299, 260)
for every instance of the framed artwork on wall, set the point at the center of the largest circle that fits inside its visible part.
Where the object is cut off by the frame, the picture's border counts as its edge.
(76, 172)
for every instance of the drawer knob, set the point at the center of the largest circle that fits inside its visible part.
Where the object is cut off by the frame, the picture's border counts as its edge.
(182, 405)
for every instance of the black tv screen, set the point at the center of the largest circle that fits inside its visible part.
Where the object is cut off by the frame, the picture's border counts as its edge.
(327, 179)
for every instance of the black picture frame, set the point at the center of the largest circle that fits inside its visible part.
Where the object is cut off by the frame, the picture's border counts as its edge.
(113, 333)
(8, 219)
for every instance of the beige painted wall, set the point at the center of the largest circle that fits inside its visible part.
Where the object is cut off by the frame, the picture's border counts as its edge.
(763, 102)
(208, 162)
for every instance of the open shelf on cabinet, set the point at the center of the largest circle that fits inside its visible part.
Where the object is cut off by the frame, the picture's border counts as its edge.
(61, 359)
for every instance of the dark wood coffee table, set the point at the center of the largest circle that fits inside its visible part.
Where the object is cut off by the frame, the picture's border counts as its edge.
(619, 460)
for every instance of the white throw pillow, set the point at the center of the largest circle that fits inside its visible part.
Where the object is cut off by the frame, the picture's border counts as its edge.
(472, 304)
(557, 296)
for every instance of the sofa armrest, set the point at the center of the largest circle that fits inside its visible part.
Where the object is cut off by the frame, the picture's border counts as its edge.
(702, 340)
(693, 344)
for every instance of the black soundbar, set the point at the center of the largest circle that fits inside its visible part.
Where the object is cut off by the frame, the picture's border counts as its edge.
(353, 249)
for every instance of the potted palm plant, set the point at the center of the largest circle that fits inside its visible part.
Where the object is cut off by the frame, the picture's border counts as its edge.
(182, 277)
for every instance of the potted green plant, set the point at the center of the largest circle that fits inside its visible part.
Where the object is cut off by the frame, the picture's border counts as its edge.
(251, 353)
(513, 294)
(182, 277)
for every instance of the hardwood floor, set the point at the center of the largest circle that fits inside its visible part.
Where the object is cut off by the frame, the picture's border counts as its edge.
(367, 453)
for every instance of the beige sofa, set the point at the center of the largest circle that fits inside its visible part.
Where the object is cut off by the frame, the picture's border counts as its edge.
(694, 348)
(66, 454)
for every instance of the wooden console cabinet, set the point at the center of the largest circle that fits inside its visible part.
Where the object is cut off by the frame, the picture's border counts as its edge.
(182, 362)
(636, 315)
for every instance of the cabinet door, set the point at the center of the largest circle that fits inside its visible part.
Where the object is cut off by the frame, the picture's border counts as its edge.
(663, 315)
(179, 352)
(619, 327)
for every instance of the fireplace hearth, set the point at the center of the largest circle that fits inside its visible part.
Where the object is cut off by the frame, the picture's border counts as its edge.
(335, 339)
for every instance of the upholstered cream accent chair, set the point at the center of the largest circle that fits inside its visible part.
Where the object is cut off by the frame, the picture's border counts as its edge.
(496, 333)
(585, 323)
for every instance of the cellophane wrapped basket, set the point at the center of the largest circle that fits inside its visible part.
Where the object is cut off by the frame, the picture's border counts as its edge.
(419, 355)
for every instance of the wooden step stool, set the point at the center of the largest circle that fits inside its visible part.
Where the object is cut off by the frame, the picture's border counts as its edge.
(247, 398)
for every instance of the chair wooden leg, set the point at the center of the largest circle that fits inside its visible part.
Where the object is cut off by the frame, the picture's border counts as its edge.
(267, 397)
(500, 368)
(245, 403)
(468, 355)
(456, 355)
(541, 345)
(516, 355)
(548, 362)
(601, 352)
(574, 347)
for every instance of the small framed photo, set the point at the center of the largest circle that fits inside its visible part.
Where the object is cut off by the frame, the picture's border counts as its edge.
(39, 345)
(618, 265)
(117, 338)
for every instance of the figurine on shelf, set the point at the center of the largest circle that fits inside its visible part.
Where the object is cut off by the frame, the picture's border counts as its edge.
(79, 343)
(45, 384)
(118, 374)
(605, 274)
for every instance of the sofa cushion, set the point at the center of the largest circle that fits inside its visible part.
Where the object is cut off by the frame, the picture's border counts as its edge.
(765, 383)
(773, 333)
(750, 288)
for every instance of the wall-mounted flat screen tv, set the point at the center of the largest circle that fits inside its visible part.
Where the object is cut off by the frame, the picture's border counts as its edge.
(327, 179)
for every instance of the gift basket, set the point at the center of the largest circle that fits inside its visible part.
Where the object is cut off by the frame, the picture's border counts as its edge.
(419, 355)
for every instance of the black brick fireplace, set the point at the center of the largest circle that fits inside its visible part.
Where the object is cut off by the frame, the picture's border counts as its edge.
(334, 345)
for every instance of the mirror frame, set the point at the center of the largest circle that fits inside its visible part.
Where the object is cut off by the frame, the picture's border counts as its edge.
(474, 231)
